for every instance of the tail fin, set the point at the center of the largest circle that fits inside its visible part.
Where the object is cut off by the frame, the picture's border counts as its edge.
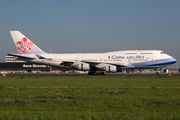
(24, 45)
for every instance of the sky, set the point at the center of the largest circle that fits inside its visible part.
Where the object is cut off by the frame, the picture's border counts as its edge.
(92, 26)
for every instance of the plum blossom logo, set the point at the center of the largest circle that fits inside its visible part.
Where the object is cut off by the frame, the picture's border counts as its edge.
(24, 45)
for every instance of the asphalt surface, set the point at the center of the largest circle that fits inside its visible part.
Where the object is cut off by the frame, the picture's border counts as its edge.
(77, 74)
(81, 87)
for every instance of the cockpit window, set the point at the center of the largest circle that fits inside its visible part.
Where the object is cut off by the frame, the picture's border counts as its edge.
(163, 53)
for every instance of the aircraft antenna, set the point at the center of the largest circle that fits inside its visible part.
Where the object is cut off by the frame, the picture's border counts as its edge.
(50, 50)
(124, 47)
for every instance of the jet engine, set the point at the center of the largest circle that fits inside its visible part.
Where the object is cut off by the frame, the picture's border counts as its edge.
(83, 66)
(111, 68)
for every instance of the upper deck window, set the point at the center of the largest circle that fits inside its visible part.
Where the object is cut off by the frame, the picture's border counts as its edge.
(131, 53)
(163, 53)
(146, 53)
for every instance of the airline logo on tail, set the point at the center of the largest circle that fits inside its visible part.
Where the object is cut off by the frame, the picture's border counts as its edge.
(24, 45)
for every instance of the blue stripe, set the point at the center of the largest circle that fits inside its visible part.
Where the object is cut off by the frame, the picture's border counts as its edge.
(162, 62)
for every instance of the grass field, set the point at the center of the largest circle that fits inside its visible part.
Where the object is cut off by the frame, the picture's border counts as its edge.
(89, 97)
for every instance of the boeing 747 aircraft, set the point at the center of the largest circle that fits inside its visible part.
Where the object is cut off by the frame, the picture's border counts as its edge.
(92, 62)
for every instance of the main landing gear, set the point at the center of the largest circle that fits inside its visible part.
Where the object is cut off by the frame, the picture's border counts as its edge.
(95, 73)
(91, 73)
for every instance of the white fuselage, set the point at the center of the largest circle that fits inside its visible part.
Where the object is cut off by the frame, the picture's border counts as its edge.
(123, 59)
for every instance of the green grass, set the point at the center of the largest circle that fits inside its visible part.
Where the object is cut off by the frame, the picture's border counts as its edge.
(98, 81)
(89, 97)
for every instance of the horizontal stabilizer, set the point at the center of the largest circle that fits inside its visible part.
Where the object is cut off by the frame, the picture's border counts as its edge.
(21, 56)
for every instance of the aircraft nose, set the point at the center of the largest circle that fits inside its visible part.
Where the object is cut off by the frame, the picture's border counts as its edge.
(173, 60)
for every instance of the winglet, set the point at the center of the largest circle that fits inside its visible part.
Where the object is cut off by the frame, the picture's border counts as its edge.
(24, 45)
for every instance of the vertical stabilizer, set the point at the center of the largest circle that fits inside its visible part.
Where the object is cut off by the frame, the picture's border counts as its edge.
(24, 45)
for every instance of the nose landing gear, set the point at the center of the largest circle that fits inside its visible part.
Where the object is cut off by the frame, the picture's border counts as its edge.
(157, 73)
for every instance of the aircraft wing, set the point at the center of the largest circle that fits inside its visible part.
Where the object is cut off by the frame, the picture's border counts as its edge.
(67, 63)
(56, 61)
(21, 56)
(115, 64)
(62, 62)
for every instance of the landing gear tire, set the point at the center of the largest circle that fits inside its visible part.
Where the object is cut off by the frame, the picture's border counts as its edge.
(90, 73)
(102, 73)
(95, 73)
(157, 73)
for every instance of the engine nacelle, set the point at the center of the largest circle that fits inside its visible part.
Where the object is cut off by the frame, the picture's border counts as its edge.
(83, 66)
(111, 68)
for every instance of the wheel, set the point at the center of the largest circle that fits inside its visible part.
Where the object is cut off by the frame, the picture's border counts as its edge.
(102, 73)
(157, 73)
(90, 73)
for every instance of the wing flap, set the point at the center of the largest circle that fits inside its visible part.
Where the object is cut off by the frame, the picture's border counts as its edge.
(96, 63)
